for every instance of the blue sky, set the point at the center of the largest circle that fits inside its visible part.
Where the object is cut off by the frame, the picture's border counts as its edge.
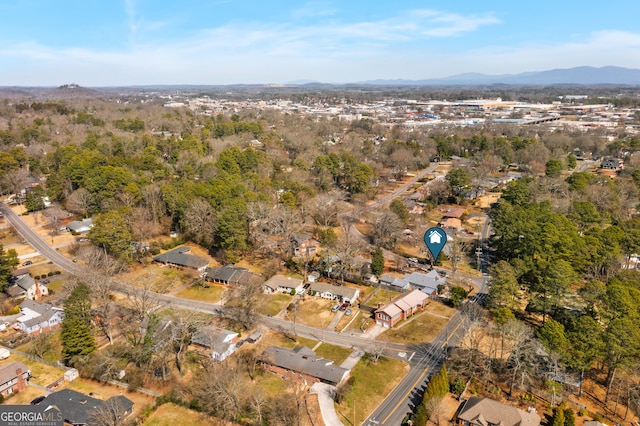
(129, 42)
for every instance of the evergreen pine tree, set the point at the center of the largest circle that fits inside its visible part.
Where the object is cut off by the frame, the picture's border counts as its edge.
(76, 334)
(377, 262)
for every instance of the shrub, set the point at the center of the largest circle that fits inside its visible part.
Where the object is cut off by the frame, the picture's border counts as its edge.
(49, 274)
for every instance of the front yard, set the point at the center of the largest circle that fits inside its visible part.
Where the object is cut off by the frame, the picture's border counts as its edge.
(422, 327)
(372, 384)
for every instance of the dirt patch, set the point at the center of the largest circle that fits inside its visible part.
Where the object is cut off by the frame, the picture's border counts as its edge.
(485, 201)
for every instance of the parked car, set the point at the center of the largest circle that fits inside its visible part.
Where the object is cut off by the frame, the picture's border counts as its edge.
(335, 308)
(348, 312)
(344, 306)
(38, 400)
(27, 263)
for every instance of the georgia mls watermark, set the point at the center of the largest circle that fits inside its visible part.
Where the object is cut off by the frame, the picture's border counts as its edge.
(30, 415)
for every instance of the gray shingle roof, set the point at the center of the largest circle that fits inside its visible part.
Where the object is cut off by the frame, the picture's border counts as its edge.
(303, 360)
(8, 372)
(341, 291)
(77, 408)
(485, 412)
(45, 310)
(179, 256)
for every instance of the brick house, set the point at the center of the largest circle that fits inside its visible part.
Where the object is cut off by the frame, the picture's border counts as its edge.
(303, 365)
(180, 257)
(13, 378)
(402, 307)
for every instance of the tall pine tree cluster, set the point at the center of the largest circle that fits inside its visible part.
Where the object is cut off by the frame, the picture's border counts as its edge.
(77, 336)
(437, 388)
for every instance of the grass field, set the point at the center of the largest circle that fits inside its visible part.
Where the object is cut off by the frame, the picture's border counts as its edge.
(272, 304)
(213, 294)
(41, 374)
(372, 384)
(54, 354)
(420, 328)
(163, 279)
(314, 311)
(382, 295)
(175, 415)
(337, 354)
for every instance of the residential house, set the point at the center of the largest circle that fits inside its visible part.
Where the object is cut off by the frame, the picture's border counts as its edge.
(13, 378)
(455, 213)
(221, 343)
(79, 409)
(478, 411)
(181, 258)
(38, 318)
(451, 223)
(396, 283)
(302, 364)
(80, 226)
(401, 308)
(612, 163)
(282, 284)
(230, 274)
(330, 291)
(427, 283)
(27, 287)
(304, 245)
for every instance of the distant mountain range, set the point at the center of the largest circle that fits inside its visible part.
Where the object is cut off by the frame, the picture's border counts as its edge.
(568, 76)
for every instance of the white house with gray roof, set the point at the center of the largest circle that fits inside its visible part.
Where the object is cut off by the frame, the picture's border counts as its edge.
(27, 287)
(427, 283)
(37, 318)
(330, 291)
(221, 343)
(282, 284)
(80, 226)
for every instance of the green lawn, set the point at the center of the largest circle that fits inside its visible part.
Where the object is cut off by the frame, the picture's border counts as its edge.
(55, 352)
(272, 304)
(372, 384)
(337, 354)
(383, 296)
(213, 294)
(286, 341)
(41, 374)
(420, 328)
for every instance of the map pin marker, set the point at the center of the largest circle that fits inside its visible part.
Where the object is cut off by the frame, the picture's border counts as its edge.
(435, 239)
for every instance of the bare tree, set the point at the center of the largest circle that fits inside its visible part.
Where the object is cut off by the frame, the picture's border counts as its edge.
(221, 391)
(142, 299)
(152, 200)
(200, 221)
(54, 214)
(40, 345)
(109, 413)
(242, 302)
(385, 229)
(325, 207)
(80, 202)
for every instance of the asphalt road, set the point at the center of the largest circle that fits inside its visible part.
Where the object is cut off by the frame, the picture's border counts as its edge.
(429, 357)
(424, 360)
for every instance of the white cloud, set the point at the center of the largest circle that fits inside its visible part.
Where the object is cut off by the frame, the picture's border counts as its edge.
(328, 50)
(313, 9)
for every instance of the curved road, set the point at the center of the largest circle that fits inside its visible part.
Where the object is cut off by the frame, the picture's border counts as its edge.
(424, 360)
